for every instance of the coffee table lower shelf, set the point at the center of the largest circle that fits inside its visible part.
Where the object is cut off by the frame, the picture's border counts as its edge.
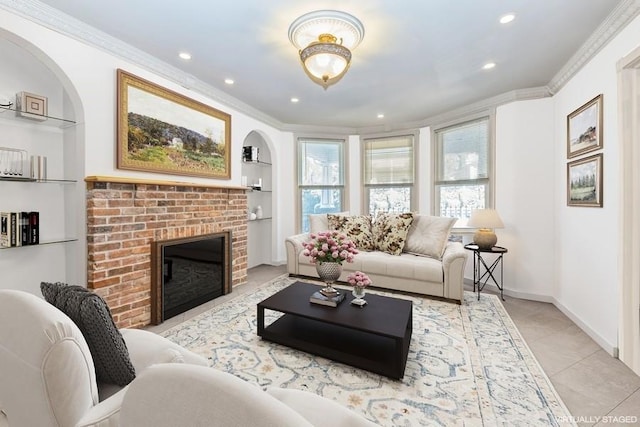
(375, 353)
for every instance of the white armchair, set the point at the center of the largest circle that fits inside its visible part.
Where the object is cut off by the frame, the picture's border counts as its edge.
(47, 375)
(171, 395)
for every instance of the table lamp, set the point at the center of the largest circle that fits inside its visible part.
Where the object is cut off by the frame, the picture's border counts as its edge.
(485, 220)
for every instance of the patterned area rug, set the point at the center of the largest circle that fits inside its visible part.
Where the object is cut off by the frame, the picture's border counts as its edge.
(467, 365)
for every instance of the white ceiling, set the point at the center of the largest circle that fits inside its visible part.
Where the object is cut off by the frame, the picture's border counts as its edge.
(419, 58)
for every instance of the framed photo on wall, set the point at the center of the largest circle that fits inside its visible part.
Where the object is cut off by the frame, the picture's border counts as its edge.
(584, 128)
(165, 132)
(584, 182)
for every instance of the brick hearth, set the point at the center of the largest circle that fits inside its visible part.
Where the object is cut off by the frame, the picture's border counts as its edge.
(125, 216)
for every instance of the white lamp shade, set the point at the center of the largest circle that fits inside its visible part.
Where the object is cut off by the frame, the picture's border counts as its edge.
(485, 218)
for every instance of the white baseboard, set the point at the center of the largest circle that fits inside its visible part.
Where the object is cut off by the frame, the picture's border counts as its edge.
(606, 346)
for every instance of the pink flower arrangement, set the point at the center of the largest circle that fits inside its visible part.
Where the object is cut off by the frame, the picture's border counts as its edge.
(329, 246)
(358, 279)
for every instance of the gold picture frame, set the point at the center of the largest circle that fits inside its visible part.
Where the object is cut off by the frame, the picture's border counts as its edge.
(165, 132)
(584, 128)
(584, 182)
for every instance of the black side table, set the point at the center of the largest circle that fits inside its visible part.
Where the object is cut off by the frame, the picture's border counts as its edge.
(479, 262)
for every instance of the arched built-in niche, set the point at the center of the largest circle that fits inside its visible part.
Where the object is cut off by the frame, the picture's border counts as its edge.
(257, 170)
(59, 199)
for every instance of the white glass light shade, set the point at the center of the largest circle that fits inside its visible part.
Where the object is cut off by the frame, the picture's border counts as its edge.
(325, 61)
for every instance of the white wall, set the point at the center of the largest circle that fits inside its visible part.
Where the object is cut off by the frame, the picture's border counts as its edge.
(587, 238)
(525, 196)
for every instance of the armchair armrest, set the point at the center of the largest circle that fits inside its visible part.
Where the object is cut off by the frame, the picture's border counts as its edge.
(105, 413)
(454, 260)
(293, 246)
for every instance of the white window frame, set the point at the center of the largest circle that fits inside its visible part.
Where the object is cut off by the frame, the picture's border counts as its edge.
(300, 187)
(488, 181)
(411, 185)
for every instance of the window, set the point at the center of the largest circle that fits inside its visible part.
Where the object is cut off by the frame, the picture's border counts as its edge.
(463, 176)
(388, 174)
(320, 177)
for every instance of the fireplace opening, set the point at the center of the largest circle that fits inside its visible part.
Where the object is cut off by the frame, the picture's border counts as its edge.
(188, 272)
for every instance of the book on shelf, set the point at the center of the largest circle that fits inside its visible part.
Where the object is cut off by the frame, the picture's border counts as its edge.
(19, 229)
(4, 230)
(318, 298)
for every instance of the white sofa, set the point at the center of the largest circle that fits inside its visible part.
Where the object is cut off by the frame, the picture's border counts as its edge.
(441, 276)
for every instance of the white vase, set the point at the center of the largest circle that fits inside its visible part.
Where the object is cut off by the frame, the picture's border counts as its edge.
(259, 212)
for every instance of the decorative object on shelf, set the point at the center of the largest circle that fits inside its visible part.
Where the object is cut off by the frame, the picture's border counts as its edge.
(250, 154)
(13, 163)
(584, 128)
(359, 281)
(39, 167)
(257, 186)
(324, 40)
(191, 138)
(485, 220)
(259, 212)
(328, 250)
(251, 216)
(31, 106)
(584, 182)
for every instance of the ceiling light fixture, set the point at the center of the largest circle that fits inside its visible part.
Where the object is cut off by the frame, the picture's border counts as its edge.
(294, 100)
(324, 40)
(185, 55)
(507, 18)
(229, 81)
(489, 65)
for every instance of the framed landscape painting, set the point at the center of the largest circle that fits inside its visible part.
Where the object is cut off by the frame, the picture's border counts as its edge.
(584, 128)
(584, 182)
(162, 131)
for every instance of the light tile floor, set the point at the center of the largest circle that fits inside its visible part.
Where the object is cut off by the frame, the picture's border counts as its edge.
(596, 388)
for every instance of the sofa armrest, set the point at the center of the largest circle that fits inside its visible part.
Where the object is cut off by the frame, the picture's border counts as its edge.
(293, 246)
(454, 260)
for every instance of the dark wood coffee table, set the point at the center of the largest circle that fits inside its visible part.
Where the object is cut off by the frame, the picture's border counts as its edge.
(375, 337)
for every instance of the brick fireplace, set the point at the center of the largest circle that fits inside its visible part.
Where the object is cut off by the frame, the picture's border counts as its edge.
(125, 216)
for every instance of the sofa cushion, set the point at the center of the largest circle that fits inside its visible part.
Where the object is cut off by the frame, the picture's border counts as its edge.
(358, 229)
(428, 235)
(92, 316)
(320, 222)
(390, 231)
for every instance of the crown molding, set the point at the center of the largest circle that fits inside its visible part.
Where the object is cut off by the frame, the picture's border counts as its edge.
(479, 107)
(606, 31)
(59, 22)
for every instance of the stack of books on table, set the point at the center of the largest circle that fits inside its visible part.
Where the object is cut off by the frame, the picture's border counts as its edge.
(318, 298)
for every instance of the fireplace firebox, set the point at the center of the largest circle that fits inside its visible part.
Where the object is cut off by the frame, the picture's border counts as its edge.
(188, 272)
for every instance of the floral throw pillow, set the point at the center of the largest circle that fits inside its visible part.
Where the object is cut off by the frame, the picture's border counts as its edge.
(356, 227)
(390, 232)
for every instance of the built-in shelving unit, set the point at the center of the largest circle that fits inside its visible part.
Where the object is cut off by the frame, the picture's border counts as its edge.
(258, 176)
(56, 195)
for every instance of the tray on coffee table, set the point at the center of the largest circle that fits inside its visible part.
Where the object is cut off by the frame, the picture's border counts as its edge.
(374, 337)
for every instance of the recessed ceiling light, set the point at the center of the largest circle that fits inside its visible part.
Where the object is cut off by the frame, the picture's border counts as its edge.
(380, 116)
(488, 65)
(229, 81)
(185, 55)
(294, 100)
(507, 18)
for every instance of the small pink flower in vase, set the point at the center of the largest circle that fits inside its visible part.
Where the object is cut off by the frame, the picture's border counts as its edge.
(359, 281)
